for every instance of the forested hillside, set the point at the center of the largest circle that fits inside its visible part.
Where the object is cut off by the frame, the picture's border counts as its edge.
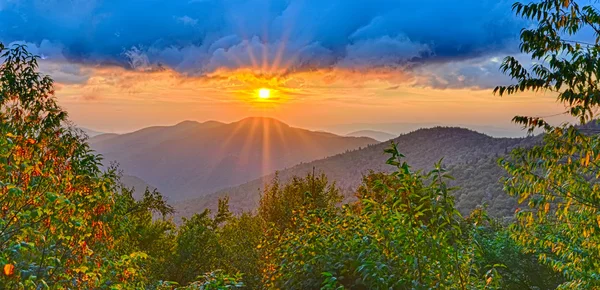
(468, 155)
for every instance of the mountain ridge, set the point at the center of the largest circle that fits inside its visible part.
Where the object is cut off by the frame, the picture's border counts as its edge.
(377, 135)
(191, 159)
(465, 152)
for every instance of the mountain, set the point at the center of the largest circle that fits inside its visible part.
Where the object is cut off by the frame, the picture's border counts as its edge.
(191, 159)
(377, 135)
(137, 184)
(90, 133)
(395, 128)
(398, 128)
(470, 157)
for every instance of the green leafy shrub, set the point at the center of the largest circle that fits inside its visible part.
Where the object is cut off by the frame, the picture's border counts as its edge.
(216, 280)
(558, 180)
(404, 233)
(56, 205)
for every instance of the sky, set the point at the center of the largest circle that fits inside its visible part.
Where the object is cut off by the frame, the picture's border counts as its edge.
(122, 65)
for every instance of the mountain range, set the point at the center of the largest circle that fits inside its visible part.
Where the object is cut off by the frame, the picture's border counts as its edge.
(89, 132)
(470, 157)
(194, 164)
(377, 135)
(397, 128)
(192, 159)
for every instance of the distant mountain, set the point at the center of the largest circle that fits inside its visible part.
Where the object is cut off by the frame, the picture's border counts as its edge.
(192, 159)
(103, 137)
(90, 133)
(377, 135)
(398, 128)
(470, 157)
(395, 128)
(137, 184)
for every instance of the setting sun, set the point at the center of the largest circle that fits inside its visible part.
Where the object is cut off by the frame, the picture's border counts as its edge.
(264, 93)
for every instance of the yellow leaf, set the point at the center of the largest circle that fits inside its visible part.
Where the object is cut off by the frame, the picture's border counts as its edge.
(587, 159)
(9, 269)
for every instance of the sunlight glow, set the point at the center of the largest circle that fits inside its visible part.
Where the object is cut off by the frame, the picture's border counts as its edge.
(264, 93)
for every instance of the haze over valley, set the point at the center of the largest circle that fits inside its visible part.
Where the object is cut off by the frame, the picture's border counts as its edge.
(191, 163)
(191, 159)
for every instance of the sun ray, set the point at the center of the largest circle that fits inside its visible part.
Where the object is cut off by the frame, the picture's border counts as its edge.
(247, 147)
(251, 55)
(278, 56)
(265, 53)
(266, 147)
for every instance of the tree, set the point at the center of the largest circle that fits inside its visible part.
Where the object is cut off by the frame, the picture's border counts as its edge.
(517, 268)
(199, 248)
(278, 203)
(141, 225)
(404, 234)
(196, 249)
(239, 238)
(56, 205)
(558, 179)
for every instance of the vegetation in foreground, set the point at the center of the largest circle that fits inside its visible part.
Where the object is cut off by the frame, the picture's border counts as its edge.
(66, 224)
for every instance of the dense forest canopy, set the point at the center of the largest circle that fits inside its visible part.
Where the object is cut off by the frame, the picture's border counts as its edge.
(65, 223)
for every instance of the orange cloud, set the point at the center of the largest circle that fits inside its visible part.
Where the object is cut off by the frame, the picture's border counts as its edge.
(117, 99)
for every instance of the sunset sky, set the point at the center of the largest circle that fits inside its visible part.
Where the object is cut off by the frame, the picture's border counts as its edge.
(124, 65)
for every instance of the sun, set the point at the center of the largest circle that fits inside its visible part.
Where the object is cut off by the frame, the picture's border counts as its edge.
(264, 93)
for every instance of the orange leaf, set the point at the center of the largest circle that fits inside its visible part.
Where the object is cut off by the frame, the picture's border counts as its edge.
(9, 269)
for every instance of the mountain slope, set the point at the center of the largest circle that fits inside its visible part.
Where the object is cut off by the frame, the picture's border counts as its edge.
(191, 159)
(137, 184)
(470, 156)
(90, 133)
(377, 135)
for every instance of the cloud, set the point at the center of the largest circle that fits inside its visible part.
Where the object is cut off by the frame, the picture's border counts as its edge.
(477, 73)
(54, 63)
(186, 20)
(198, 37)
(382, 52)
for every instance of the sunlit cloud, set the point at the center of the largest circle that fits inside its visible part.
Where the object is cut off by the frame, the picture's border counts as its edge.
(118, 67)
(199, 37)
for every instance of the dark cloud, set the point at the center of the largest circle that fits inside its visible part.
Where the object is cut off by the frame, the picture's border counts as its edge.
(479, 73)
(200, 36)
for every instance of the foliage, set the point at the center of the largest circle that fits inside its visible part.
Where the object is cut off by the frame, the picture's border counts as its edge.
(408, 237)
(562, 65)
(137, 229)
(216, 280)
(278, 203)
(205, 243)
(56, 206)
(238, 242)
(196, 249)
(558, 180)
(517, 269)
